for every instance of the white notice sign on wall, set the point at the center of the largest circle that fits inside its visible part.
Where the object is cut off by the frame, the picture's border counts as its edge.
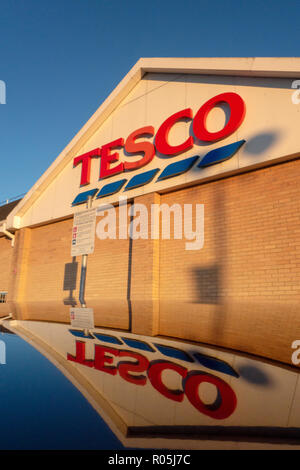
(83, 233)
(82, 317)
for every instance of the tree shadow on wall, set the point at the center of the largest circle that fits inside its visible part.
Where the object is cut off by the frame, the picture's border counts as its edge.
(70, 280)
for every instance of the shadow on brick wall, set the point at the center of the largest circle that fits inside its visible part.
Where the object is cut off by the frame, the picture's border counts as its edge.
(70, 280)
(207, 280)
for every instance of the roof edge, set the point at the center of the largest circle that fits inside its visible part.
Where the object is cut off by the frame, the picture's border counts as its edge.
(284, 67)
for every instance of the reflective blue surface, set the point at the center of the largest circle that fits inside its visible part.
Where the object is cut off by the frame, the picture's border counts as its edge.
(111, 188)
(220, 154)
(177, 168)
(41, 409)
(173, 352)
(153, 392)
(83, 197)
(133, 343)
(215, 364)
(141, 179)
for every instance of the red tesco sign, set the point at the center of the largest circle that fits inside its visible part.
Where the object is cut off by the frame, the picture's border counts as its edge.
(142, 369)
(109, 155)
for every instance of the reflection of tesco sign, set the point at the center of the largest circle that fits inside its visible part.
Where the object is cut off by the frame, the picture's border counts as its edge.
(162, 145)
(223, 407)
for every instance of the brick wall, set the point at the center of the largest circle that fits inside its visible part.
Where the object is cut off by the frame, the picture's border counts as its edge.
(107, 280)
(6, 252)
(49, 283)
(242, 290)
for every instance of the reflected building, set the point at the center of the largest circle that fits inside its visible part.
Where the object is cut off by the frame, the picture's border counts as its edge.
(159, 393)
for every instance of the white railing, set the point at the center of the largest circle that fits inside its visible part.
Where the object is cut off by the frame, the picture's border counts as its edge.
(11, 199)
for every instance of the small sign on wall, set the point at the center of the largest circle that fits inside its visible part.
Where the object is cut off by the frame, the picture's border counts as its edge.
(82, 317)
(83, 233)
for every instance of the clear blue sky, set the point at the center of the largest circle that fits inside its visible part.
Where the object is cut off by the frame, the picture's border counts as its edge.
(61, 58)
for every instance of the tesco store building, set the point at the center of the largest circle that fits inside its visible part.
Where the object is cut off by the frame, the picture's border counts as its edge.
(219, 134)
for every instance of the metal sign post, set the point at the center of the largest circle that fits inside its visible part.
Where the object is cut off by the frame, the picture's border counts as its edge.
(82, 244)
(83, 267)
